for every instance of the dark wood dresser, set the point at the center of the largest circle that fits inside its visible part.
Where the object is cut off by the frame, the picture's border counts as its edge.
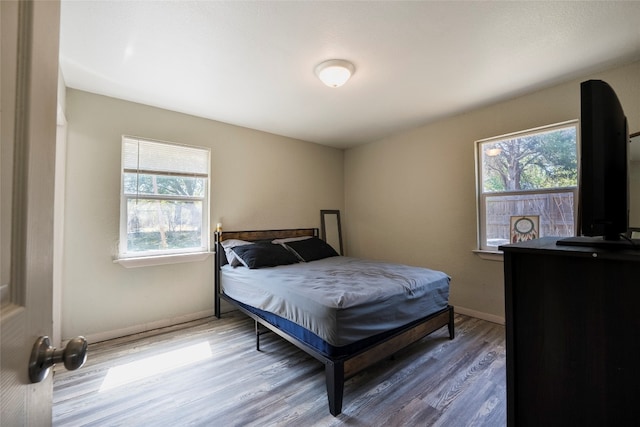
(573, 335)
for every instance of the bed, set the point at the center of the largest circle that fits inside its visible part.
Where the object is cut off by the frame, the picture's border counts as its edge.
(347, 313)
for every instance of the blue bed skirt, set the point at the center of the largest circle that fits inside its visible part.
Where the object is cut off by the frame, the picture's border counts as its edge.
(314, 341)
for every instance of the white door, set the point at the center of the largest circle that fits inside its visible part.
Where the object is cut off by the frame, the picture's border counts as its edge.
(28, 75)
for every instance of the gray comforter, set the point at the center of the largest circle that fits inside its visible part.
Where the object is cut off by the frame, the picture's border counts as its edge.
(341, 299)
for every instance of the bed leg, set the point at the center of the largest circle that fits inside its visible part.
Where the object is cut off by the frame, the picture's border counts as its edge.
(334, 373)
(257, 335)
(451, 325)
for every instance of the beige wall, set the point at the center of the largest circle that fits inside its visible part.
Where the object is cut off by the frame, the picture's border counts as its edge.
(258, 180)
(412, 197)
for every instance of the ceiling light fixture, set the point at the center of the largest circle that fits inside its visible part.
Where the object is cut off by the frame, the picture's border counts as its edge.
(334, 72)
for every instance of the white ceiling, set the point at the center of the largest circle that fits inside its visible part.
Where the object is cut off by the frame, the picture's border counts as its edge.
(251, 63)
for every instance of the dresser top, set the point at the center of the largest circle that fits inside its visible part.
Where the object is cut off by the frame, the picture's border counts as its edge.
(578, 246)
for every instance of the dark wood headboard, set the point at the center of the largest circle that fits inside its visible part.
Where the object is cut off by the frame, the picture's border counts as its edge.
(265, 234)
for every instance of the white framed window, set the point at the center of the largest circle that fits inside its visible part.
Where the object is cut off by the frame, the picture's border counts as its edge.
(164, 207)
(530, 179)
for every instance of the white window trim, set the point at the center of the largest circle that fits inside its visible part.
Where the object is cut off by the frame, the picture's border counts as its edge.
(491, 254)
(146, 259)
(149, 261)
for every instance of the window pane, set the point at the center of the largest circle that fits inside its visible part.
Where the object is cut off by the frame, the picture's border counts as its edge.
(555, 211)
(163, 185)
(530, 162)
(163, 225)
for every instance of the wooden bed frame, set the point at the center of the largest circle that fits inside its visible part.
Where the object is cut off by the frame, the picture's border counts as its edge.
(337, 369)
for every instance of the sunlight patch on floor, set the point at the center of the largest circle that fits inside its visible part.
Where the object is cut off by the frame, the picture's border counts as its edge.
(154, 365)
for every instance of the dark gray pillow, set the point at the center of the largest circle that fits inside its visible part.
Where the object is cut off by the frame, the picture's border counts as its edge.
(311, 249)
(261, 255)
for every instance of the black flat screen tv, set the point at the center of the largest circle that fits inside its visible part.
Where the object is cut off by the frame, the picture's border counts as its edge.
(603, 199)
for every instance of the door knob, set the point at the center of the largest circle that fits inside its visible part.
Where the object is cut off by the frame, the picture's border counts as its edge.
(44, 356)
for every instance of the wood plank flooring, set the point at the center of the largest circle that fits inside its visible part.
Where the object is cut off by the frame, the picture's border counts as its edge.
(435, 382)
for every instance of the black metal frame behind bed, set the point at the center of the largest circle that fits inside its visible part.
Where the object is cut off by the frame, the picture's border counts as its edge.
(337, 369)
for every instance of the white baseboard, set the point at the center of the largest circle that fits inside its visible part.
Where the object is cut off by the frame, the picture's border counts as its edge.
(480, 315)
(136, 329)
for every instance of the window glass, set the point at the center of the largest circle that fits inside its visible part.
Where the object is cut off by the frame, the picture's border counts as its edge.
(527, 185)
(164, 198)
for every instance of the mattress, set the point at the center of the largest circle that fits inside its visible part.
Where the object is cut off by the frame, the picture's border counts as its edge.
(341, 300)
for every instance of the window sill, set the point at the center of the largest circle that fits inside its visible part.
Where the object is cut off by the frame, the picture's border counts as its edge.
(489, 255)
(149, 261)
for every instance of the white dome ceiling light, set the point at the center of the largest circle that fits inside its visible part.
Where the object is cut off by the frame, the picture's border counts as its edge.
(335, 72)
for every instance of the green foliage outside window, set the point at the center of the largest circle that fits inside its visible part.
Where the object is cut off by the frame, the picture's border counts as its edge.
(163, 185)
(152, 240)
(532, 162)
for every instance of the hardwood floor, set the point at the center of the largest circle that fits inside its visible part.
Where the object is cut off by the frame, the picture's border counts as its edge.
(435, 382)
